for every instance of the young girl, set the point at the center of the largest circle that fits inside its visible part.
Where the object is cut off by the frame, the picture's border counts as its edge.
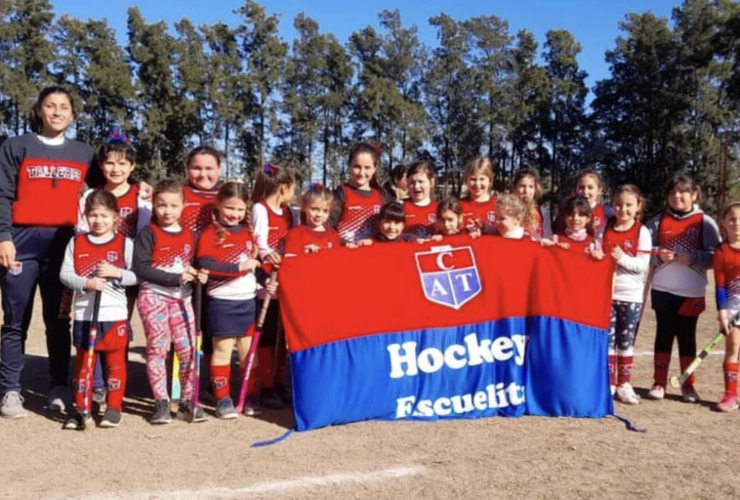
(358, 202)
(391, 223)
(163, 257)
(228, 251)
(685, 238)
(271, 219)
(41, 176)
(421, 209)
(98, 261)
(727, 277)
(478, 206)
(314, 235)
(117, 160)
(511, 217)
(577, 235)
(590, 185)
(527, 186)
(629, 243)
(203, 170)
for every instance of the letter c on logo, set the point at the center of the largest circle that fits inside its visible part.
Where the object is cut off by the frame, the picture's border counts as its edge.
(440, 261)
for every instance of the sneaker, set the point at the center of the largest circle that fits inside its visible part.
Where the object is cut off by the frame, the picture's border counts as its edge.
(76, 422)
(99, 397)
(12, 405)
(252, 407)
(57, 398)
(284, 393)
(161, 413)
(626, 394)
(657, 392)
(728, 402)
(270, 400)
(689, 395)
(613, 389)
(225, 409)
(112, 418)
(185, 412)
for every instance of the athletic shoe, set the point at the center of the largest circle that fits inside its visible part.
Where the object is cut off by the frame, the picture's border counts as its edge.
(689, 395)
(12, 405)
(626, 394)
(270, 400)
(99, 396)
(185, 412)
(76, 422)
(112, 418)
(613, 389)
(225, 409)
(284, 393)
(57, 398)
(728, 402)
(657, 392)
(252, 407)
(161, 413)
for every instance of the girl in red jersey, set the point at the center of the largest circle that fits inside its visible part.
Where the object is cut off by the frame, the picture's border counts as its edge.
(228, 251)
(421, 209)
(726, 264)
(313, 235)
(478, 206)
(450, 219)
(41, 176)
(203, 169)
(271, 219)
(117, 160)
(391, 223)
(98, 261)
(163, 257)
(577, 235)
(527, 186)
(685, 238)
(629, 243)
(511, 218)
(590, 185)
(358, 202)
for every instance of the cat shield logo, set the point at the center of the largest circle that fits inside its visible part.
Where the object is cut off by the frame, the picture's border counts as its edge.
(449, 276)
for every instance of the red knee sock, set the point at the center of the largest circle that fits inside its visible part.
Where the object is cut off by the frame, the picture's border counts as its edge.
(220, 375)
(685, 362)
(730, 370)
(612, 369)
(661, 362)
(624, 369)
(82, 377)
(116, 361)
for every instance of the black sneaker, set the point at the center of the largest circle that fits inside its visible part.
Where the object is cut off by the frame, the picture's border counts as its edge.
(99, 396)
(283, 392)
(76, 422)
(270, 400)
(161, 413)
(112, 418)
(185, 412)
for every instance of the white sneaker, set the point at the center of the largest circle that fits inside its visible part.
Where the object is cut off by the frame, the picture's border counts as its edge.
(626, 394)
(57, 398)
(613, 389)
(12, 405)
(689, 394)
(657, 392)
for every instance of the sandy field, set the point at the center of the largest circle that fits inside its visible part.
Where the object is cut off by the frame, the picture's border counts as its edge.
(688, 450)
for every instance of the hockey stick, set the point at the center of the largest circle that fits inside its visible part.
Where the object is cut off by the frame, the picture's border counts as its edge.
(91, 340)
(176, 387)
(679, 381)
(198, 353)
(253, 347)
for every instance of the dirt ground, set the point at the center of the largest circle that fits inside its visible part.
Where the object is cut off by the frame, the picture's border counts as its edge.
(688, 450)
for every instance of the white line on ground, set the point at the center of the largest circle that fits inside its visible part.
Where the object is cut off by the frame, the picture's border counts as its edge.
(219, 493)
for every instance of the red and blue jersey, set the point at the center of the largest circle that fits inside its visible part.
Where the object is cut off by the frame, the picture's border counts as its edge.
(221, 250)
(482, 212)
(626, 240)
(681, 235)
(199, 207)
(88, 254)
(726, 263)
(360, 210)
(420, 220)
(128, 211)
(299, 237)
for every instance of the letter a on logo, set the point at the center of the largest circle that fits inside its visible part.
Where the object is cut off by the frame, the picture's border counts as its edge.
(449, 276)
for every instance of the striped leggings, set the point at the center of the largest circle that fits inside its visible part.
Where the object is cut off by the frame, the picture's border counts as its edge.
(166, 318)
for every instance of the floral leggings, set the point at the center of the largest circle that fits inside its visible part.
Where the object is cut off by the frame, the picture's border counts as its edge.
(166, 318)
(625, 318)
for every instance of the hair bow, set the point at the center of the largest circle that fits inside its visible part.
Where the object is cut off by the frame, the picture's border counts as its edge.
(117, 135)
(269, 170)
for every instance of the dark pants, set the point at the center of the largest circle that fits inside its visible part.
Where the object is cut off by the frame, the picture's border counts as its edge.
(41, 251)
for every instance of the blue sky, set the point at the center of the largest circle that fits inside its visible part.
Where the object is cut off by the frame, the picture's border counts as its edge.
(594, 23)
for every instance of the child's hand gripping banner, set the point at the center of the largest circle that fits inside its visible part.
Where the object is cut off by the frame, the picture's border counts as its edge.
(464, 329)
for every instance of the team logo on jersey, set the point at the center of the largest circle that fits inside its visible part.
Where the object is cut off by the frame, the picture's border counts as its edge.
(449, 276)
(629, 244)
(122, 330)
(432, 218)
(112, 256)
(597, 221)
(125, 212)
(491, 216)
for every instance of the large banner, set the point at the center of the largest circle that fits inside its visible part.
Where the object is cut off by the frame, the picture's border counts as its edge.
(460, 329)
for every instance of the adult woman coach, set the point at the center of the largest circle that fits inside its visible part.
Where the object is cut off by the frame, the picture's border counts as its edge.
(41, 176)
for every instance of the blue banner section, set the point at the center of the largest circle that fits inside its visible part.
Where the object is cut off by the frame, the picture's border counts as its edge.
(510, 367)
